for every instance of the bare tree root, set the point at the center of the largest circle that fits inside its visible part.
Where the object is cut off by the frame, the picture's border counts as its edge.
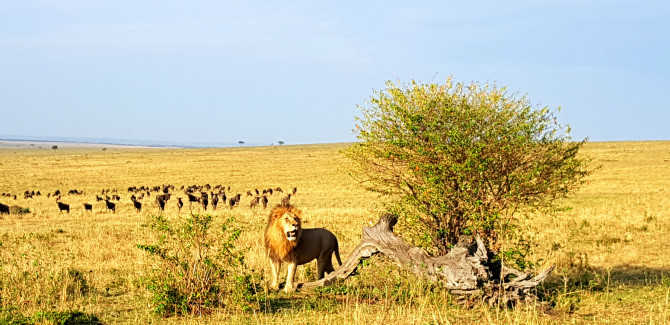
(466, 270)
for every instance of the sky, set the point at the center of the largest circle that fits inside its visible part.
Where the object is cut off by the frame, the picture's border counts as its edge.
(296, 71)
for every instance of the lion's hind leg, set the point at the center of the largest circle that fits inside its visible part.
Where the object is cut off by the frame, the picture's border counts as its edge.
(325, 265)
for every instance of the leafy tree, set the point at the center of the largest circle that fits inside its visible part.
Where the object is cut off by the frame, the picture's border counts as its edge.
(457, 159)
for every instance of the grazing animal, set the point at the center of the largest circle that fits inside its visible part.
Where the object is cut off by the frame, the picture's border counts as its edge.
(215, 201)
(138, 205)
(62, 206)
(264, 200)
(204, 202)
(180, 203)
(287, 242)
(254, 202)
(4, 209)
(88, 207)
(110, 206)
(161, 204)
(286, 201)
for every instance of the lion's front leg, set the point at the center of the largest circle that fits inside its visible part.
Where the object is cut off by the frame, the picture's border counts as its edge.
(276, 267)
(290, 276)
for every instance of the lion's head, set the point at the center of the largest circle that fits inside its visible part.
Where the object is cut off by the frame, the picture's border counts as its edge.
(283, 232)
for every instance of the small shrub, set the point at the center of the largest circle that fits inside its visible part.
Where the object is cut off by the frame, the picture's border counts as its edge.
(198, 269)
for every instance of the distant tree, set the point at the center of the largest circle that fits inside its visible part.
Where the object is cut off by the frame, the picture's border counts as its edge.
(54, 147)
(280, 142)
(457, 159)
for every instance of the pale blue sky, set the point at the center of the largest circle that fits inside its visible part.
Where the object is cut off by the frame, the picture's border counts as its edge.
(263, 71)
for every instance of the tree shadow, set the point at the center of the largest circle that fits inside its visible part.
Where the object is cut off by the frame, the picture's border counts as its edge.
(598, 278)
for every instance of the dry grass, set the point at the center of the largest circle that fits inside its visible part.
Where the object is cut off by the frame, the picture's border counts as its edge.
(613, 264)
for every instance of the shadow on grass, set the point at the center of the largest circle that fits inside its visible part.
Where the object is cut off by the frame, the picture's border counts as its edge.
(599, 279)
(300, 302)
(638, 276)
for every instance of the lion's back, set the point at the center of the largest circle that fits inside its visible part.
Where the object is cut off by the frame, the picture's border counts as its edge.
(313, 242)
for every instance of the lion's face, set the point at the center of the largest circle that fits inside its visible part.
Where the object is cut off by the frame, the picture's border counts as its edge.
(283, 232)
(290, 223)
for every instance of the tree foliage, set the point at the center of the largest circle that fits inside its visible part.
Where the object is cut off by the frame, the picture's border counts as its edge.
(457, 159)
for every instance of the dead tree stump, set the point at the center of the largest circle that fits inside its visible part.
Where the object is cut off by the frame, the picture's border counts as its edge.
(465, 270)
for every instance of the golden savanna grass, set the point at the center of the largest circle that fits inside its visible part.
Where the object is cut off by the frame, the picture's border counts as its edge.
(610, 249)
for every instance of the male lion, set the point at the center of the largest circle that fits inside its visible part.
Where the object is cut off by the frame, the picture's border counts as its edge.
(286, 241)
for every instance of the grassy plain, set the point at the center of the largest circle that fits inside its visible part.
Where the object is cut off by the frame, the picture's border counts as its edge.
(613, 262)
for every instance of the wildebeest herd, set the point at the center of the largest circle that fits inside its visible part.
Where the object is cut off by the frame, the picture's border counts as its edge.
(197, 197)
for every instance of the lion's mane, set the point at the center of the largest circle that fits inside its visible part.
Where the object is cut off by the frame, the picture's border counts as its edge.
(278, 247)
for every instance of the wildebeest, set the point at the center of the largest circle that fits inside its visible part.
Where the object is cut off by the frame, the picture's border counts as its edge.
(4, 209)
(164, 197)
(138, 205)
(191, 197)
(62, 206)
(215, 201)
(235, 200)
(254, 202)
(110, 206)
(88, 207)
(295, 189)
(179, 203)
(264, 200)
(286, 201)
(161, 203)
(204, 202)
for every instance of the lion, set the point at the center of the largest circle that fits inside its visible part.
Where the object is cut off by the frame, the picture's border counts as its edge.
(287, 242)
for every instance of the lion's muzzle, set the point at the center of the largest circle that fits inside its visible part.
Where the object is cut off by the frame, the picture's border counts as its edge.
(292, 235)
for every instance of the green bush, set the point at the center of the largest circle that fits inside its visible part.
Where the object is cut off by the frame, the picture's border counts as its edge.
(457, 159)
(197, 269)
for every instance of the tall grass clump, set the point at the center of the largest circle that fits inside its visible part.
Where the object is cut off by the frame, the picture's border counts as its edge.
(196, 268)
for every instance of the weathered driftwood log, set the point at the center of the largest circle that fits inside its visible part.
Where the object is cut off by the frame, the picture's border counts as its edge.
(465, 270)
